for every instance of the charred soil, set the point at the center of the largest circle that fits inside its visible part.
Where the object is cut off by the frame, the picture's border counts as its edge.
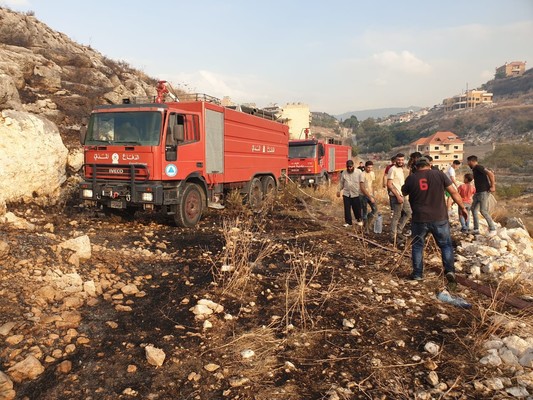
(319, 310)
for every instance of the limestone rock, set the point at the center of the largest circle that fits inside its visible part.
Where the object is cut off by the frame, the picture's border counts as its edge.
(36, 178)
(516, 344)
(154, 356)
(80, 245)
(6, 328)
(4, 249)
(27, 369)
(432, 348)
(6, 387)
(129, 289)
(16, 222)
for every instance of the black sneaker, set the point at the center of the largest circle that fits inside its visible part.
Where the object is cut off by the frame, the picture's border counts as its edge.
(450, 277)
(452, 282)
(414, 277)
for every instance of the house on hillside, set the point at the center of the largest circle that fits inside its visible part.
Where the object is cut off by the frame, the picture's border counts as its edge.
(444, 147)
(470, 99)
(515, 68)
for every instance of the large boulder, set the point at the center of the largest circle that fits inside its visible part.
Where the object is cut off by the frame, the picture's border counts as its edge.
(32, 159)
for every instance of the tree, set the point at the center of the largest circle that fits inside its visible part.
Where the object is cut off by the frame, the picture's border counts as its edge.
(351, 123)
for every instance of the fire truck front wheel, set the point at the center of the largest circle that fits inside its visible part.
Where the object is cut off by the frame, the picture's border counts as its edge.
(188, 211)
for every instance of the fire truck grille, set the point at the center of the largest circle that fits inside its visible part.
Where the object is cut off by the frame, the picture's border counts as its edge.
(131, 173)
(299, 170)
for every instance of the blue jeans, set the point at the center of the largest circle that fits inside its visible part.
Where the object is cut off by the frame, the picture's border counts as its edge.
(465, 224)
(480, 202)
(441, 232)
(364, 210)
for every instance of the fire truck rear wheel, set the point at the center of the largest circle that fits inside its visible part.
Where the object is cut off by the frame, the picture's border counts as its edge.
(269, 184)
(255, 194)
(189, 211)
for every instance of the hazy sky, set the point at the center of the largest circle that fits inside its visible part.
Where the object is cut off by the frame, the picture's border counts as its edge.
(336, 55)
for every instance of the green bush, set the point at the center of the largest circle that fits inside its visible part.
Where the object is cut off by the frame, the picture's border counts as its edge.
(510, 191)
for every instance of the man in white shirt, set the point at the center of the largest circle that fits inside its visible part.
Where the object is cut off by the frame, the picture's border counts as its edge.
(349, 185)
(450, 173)
(401, 210)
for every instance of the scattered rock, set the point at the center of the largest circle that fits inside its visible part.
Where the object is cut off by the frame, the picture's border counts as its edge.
(27, 369)
(6, 387)
(432, 378)
(154, 356)
(211, 367)
(237, 382)
(6, 328)
(64, 367)
(432, 348)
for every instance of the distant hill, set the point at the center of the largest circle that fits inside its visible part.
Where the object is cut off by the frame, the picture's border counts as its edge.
(376, 113)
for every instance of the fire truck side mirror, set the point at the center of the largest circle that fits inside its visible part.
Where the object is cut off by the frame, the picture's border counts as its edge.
(83, 134)
(321, 151)
(179, 133)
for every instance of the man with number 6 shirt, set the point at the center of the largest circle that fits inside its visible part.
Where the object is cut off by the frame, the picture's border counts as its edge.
(425, 189)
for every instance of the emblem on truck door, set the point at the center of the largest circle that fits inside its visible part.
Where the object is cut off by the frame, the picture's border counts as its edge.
(171, 170)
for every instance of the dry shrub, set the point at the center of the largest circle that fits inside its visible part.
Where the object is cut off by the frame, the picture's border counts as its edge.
(490, 320)
(233, 202)
(300, 287)
(244, 249)
(264, 344)
(286, 198)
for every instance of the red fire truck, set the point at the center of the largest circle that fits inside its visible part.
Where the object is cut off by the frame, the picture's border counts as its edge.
(180, 156)
(313, 162)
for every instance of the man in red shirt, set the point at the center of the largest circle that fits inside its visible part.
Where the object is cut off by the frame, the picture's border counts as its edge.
(425, 189)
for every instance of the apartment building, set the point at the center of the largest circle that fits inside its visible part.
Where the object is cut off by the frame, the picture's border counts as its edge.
(469, 99)
(444, 147)
(515, 68)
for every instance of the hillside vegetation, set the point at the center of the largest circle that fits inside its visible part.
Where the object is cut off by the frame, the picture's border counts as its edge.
(517, 158)
(509, 120)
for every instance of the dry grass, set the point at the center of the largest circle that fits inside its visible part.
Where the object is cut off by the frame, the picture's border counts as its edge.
(491, 320)
(234, 204)
(244, 249)
(300, 285)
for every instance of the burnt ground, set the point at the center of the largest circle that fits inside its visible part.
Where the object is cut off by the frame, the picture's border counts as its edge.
(299, 275)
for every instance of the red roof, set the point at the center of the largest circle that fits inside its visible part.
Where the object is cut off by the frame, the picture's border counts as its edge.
(443, 137)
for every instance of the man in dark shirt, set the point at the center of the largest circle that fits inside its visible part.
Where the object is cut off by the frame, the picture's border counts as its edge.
(485, 184)
(425, 189)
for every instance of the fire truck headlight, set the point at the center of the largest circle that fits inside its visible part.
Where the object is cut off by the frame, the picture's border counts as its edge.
(147, 197)
(311, 181)
(88, 193)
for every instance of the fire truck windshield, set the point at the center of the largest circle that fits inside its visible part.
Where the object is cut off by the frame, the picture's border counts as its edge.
(302, 150)
(137, 127)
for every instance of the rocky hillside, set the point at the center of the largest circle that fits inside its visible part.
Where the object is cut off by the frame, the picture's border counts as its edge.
(509, 120)
(44, 72)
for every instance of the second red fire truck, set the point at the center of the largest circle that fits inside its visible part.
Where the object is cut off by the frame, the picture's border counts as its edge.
(313, 162)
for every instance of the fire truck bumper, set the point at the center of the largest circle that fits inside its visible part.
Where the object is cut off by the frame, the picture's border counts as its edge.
(304, 180)
(121, 195)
